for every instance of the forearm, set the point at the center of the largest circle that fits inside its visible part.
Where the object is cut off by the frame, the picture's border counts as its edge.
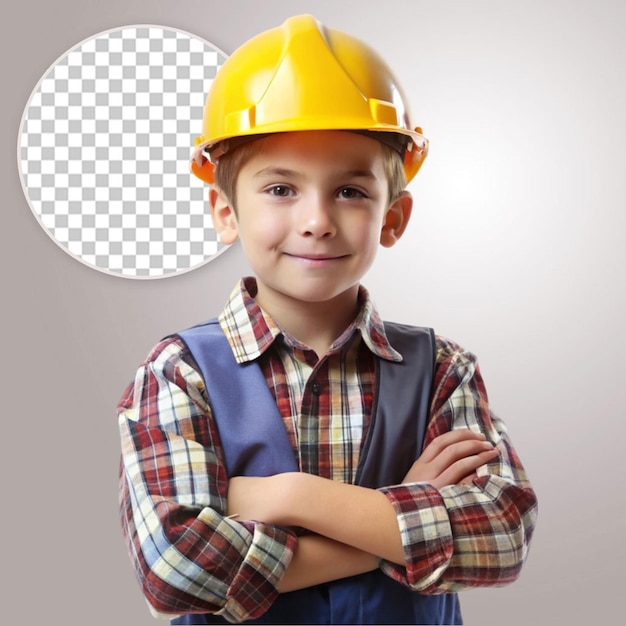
(359, 517)
(318, 560)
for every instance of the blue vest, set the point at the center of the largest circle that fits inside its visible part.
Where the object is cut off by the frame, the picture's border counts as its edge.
(255, 443)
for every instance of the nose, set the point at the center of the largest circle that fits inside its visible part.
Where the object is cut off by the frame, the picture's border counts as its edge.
(316, 218)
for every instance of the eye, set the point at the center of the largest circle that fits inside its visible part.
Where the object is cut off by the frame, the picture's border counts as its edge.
(280, 191)
(350, 193)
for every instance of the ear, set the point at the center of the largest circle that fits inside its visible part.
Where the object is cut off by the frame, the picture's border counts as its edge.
(223, 216)
(396, 219)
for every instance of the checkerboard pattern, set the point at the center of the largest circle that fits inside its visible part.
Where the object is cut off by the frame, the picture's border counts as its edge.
(104, 150)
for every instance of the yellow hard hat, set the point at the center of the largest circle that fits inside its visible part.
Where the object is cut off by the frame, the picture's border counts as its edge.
(304, 76)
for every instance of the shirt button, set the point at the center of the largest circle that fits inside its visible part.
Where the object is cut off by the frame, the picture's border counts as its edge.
(316, 388)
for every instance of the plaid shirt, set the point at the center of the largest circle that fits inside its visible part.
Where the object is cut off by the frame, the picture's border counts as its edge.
(190, 558)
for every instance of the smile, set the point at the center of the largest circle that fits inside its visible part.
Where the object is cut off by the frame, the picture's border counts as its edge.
(316, 259)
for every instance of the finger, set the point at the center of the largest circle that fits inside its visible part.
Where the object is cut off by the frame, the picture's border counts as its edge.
(456, 452)
(468, 480)
(427, 471)
(438, 444)
(456, 472)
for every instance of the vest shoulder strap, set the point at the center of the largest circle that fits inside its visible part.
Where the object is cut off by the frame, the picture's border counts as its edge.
(253, 436)
(401, 409)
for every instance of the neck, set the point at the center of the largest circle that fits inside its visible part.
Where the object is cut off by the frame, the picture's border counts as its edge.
(316, 324)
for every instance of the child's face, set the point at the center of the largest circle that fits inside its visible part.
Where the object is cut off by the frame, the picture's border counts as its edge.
(312, 209)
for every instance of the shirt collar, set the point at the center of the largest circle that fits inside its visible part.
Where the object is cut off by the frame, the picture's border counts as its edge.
(251, 331)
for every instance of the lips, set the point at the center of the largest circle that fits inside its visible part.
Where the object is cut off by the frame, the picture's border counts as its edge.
(316, 257)
(320, 261)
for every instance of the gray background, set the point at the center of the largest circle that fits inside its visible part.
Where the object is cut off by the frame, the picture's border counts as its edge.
(516, 250)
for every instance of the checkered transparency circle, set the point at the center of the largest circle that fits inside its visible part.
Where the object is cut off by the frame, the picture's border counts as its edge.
(104, 149)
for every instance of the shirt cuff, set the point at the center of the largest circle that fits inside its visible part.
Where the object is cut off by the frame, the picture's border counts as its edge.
(254, 587)
(426, 535)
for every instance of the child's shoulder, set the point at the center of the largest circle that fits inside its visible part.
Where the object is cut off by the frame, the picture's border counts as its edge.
(168, 352)
(445, 347)
(449, 348)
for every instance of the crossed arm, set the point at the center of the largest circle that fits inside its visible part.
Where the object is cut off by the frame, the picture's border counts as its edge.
(190, 557)
(353, 527)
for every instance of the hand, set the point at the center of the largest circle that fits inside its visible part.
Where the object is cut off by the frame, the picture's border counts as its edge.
(452, 458)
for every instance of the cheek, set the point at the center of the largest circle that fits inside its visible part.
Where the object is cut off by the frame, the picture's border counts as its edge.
(261, 232)
(366, 233)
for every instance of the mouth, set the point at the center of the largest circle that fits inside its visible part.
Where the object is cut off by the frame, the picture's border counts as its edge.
(316, 259)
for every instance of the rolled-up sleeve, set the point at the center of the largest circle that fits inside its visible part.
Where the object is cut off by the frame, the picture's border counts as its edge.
(465, 535)
(188, 556)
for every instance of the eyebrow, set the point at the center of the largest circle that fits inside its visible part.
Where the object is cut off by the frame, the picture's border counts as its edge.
(283, 172)
(366, 173)
(275, 171)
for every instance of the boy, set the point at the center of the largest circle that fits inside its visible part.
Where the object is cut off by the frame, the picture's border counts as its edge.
(297, 460)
